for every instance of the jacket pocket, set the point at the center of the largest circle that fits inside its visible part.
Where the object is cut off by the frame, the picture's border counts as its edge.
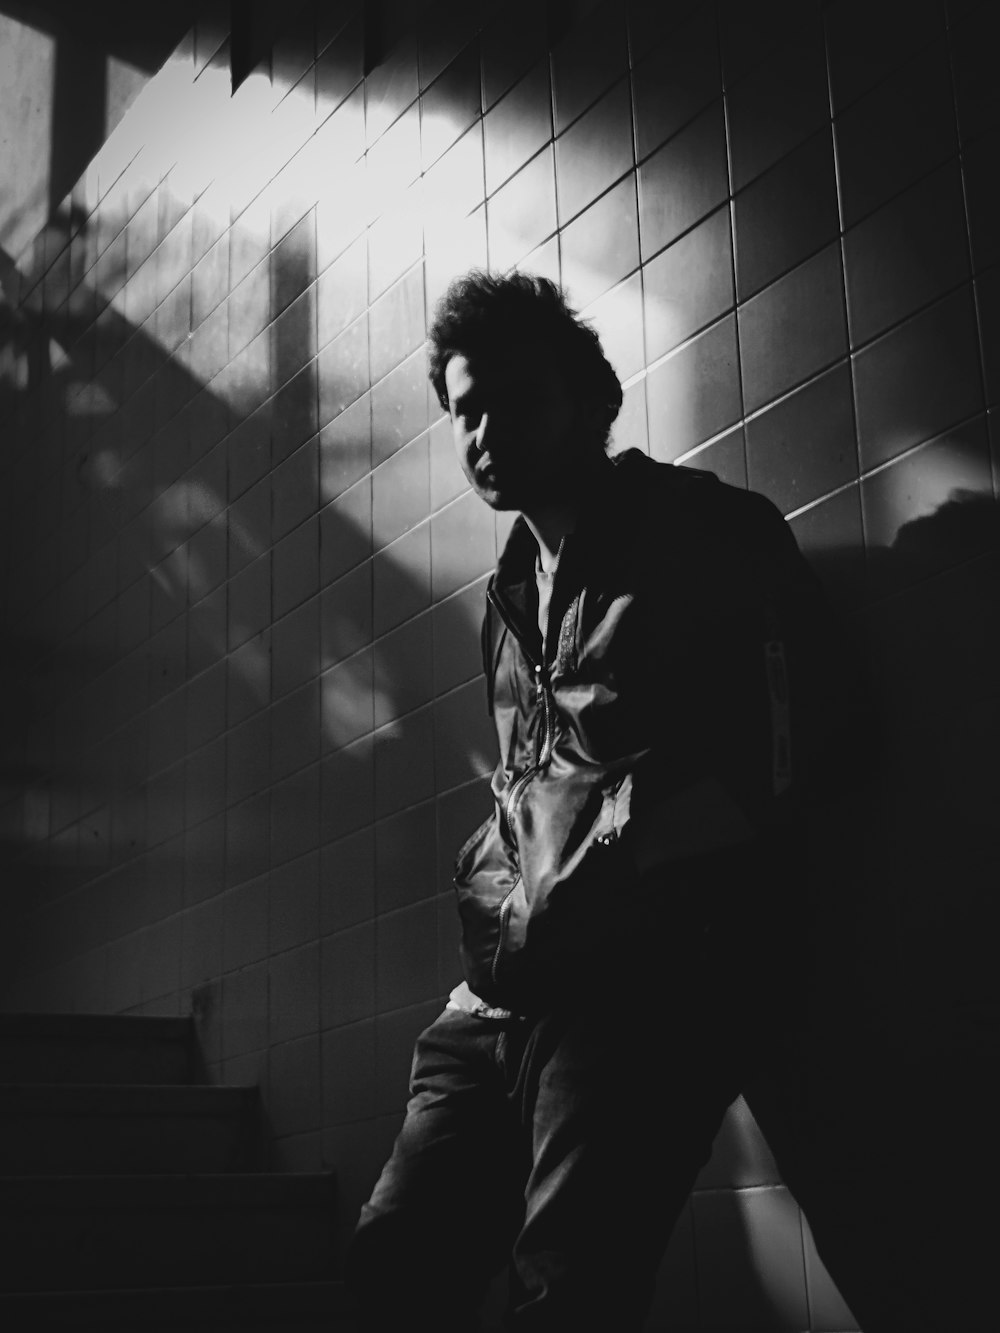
(486, 875)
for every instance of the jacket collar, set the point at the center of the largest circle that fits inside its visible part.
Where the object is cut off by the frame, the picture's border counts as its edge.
(606, 530)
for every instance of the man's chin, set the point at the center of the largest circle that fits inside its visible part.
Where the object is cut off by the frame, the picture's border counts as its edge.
(498, 497)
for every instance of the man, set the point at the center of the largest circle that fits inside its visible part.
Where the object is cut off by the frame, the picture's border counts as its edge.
(620, 907)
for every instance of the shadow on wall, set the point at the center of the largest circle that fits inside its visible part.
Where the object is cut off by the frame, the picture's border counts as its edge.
(168, 504)
(882, 1122)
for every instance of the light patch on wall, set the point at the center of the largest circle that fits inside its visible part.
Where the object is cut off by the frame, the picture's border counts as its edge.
(27, 72)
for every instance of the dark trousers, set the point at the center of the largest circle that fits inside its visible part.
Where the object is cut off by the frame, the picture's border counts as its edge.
(565, 1146)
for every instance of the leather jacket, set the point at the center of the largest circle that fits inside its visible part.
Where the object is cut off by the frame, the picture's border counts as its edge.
(664, 667)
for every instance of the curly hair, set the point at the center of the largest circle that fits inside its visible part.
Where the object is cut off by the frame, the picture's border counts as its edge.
(487, 313)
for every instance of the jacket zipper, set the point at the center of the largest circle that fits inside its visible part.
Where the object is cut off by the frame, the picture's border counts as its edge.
(546, 738)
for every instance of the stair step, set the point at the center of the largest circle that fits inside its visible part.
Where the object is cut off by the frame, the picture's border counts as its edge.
(105, 1129)
(58, 1233)
(299, 1307)
(95, 1048)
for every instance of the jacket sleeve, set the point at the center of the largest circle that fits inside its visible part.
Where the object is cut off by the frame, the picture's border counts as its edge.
(725, 762)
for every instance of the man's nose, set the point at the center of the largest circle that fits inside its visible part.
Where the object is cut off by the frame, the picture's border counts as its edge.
(482, 432)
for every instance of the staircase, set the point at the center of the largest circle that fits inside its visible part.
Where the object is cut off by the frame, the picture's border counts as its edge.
(131, 1198)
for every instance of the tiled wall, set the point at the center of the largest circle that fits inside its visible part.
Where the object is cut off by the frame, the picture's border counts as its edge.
(243, 574)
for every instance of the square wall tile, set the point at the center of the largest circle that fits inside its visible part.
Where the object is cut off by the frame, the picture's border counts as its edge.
(396, 323)
(675, 81)
(404, 762)
(793, 328)
(462, 545)
(465, 744)
(988, 300)
(294, 998)
(894, 134)
(295, 568)
(345, 532)
(804, 446)
(688, 285)
(406, 960)
(587, 60)
(452, 249)
(247, 836)
(857, 66)
(341, 217)
(683, 180)
(399, 406)
(518, 126)
(447, 478)
(345, 449)
(510, 46)
(404, 673)
(726, 457)
(401, 575)
(248, 687)
(249, 448)
(830, 536)
(341, 292)
(346, 615)
(918, 379)
(293, 911)
(617, 317)
(347, 881)
(250, 601)
(975, 82)
(695, 393)
(340, 67)
(406, 858)
(601, 245)
(344, 370)
(905, 254)
(294, 412)
(247, 757)
(778, 104)
(347, 790)
(293, 263)
(294, 485)
(401, 492)
(295, 815)
(983, 199)
(631, 428)
(456, 637)
(395, 240)
(295, 654)
(454, 185)
(392, 163)
(390, 87)
(786, 214)
(450, 104)
(347, 693)
(523, 212)
(594, 152)
(295, 730)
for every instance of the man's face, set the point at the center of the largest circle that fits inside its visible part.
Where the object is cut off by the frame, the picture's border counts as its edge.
(514, 425)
